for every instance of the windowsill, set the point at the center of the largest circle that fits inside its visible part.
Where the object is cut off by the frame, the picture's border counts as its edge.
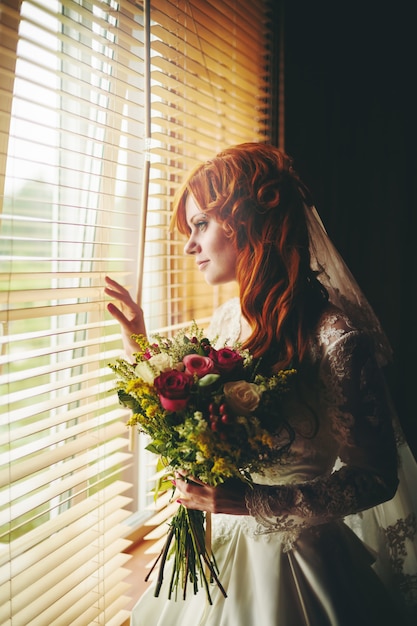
(138, 570)
(142, 558)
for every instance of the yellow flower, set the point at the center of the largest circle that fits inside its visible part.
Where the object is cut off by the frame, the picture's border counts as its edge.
(151, 411)
(138, 387)
(204, 449)
(221, 467)
(133, 420)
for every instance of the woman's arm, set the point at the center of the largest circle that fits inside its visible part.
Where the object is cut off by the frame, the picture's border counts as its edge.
(127, 312)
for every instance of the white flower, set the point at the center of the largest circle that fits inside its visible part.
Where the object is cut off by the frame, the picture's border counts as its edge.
(242, 397)
(150, 369)
(198, 416)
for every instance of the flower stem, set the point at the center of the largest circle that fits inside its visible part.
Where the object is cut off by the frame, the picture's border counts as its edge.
(162, 566)
(192, 558)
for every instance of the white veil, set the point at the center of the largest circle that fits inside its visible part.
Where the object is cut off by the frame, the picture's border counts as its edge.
(344, 292)
(389, 529)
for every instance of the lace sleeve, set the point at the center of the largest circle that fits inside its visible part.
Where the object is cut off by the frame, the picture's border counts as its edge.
(358, 410)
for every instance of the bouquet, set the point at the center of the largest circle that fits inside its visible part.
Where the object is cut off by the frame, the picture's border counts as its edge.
(209, 413)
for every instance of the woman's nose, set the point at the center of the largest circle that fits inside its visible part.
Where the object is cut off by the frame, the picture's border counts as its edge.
(191, 246)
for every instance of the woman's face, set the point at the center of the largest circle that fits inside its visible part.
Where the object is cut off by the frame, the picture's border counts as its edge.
(213, 251)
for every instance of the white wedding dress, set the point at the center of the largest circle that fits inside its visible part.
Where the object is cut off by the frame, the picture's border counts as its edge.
(308, 552)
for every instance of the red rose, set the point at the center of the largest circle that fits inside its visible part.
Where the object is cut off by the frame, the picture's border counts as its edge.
(174, 389)
(226, 360)
(198, 365)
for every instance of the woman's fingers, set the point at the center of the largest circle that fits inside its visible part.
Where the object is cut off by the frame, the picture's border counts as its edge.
(114, 284)
(120, 293)
(113, 287)
(125, 311)
(130, 311)
(117, 314)
(227, 498)
(185, 478)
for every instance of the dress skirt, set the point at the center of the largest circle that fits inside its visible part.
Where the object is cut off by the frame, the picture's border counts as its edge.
(322, 577)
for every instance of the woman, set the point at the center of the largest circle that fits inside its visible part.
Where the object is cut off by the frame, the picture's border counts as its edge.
(285, 549)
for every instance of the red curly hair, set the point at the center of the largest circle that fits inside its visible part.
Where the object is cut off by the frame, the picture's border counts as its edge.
(254, 192)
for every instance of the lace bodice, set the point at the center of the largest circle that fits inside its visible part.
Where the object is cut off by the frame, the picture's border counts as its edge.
(343, 457)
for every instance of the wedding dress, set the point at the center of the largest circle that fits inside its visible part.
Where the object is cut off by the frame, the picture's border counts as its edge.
(317, 548)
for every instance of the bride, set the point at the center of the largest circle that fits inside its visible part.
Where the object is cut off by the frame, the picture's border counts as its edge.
(326, 537)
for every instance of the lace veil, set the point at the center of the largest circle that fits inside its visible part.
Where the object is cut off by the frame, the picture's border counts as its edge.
(389, 529)
(344, 291)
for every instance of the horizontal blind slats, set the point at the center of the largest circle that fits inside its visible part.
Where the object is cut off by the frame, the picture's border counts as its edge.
(34, 583)
(195, 64)
(215, 28)
(35, 409)
(201, 86)
(60, 487)
(70, 118)
(72, 539)
(44, 311)
(85, 611)
(57, 384)
(76, 464)
(191, 96)
(17, 471)
(51, 613)
(35, 371)
(108, 499)
(88, 434)
(45, 591)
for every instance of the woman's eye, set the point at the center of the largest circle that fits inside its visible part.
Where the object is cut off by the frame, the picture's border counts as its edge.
(201, 225)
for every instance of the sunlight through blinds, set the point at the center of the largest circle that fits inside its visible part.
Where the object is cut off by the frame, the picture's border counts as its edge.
(210, 88)
(71, 157)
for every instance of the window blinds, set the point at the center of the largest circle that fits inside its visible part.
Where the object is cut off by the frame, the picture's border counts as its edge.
(210, 78)
(72, 159)
(73, 153)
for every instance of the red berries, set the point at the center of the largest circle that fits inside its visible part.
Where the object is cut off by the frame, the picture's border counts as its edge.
(218, 415)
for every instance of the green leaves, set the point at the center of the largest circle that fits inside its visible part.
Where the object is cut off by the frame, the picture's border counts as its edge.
(208, 379)
(127, 400)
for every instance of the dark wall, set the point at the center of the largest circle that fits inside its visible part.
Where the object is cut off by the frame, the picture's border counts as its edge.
(350, 124)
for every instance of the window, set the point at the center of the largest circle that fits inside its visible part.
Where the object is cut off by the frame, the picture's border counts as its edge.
(100, 117)
(210, 84)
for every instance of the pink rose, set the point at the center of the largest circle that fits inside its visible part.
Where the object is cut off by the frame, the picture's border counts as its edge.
(174, 389)
(198, 365)
(227, 361)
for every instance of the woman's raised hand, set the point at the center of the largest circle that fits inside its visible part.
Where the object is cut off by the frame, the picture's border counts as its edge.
(127, 312)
